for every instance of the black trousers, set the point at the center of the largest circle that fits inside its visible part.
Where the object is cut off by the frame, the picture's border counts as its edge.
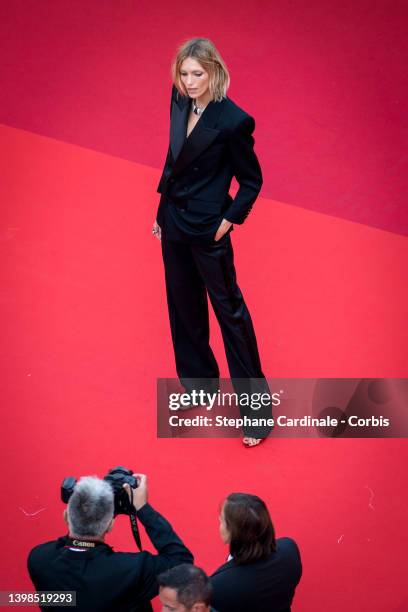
(192, 272)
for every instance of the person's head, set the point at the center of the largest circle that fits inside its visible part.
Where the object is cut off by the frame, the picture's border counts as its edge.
(246, 526)
(185, 588)
(90, 508)
(198, 68)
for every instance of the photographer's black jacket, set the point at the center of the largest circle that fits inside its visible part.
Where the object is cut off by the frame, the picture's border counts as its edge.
(108, 581)
(199, 169)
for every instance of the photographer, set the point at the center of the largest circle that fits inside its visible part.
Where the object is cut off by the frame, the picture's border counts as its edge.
(104, 580)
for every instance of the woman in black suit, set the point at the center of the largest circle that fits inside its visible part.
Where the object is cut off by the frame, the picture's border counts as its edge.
(262, 572)
(210, 143)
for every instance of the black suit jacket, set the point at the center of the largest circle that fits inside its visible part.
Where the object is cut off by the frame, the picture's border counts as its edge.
(198, 171)
(108, 581)
(264, 586)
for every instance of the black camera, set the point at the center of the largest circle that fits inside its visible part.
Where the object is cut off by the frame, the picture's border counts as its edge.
(116, 477)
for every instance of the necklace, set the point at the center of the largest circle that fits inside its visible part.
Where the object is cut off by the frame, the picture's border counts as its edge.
(198, 110)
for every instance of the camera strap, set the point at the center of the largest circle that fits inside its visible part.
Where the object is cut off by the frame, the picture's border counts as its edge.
(134, 526)
(135, 530)
(80, 543)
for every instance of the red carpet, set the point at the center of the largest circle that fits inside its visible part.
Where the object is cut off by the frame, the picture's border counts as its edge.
(322, 262)
(326, 82)
(87, 335)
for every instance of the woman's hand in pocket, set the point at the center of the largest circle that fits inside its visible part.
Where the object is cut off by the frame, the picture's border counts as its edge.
(223, 229)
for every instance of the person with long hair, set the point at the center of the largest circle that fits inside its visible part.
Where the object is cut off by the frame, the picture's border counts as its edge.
(261, 572)
(210, 142)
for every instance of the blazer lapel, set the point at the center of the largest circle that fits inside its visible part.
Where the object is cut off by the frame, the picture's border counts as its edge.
(225, 567)
(184, 149)
(178, 124)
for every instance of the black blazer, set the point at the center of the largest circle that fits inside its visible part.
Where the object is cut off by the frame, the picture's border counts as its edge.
(199, 169)
(264, 586)
(105, 580)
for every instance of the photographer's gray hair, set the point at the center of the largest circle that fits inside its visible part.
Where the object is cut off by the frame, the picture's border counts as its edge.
(90, 508)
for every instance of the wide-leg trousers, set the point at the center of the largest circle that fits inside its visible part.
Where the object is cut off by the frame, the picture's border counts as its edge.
(192, 272)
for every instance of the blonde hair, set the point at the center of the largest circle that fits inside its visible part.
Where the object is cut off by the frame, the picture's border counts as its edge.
(204, 51)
